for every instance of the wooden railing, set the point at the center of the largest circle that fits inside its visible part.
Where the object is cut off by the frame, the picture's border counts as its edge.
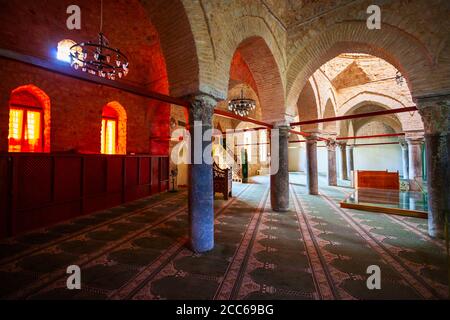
(38, 190)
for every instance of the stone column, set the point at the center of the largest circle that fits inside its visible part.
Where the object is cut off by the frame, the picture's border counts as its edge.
(350, 162)
(332, 177)
(312, 178)
(405, 161)
(279, 179)
(201, 194)
(343, 173)
(415, 162)
(435, 114)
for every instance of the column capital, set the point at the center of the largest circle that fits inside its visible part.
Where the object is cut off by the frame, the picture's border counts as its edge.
(415, 140)
(202, 107)
(403, 143)
(312, 137)
(435, 113)
(331, 144)
(281, 125)
(202, 100)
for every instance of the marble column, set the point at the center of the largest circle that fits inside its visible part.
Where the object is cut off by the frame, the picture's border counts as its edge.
(279, 179)
(332, 177)
(435, 113)
(350, 162)
(201, 195)
(405, 161)
(415, 162)
(343, 171)
(312, 178)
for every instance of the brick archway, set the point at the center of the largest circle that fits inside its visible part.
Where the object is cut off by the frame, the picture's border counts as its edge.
(177, 43)
(329, 112)
(307, 105)
(392, 121)
(395, 46)
(407, 121)
(269, 85)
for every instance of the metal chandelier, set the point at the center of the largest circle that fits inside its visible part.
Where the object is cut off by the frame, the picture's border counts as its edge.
(242, 106)
(98, 57)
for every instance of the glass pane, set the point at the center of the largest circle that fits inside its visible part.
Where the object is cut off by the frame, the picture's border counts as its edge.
(109, 136)
(103, 136)
(389, 199)
(15, 130)
(33, 131)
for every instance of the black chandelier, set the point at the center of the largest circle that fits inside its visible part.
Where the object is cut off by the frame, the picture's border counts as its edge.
(98, 58)
(242, 106)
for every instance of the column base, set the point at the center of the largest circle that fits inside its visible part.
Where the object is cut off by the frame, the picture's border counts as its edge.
(436, 232)
(280, 209)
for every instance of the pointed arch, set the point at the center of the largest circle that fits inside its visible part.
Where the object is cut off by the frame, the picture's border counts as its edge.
(415, 64)
(307, 106)
(170, 18)
(329, 112)
(264, 69)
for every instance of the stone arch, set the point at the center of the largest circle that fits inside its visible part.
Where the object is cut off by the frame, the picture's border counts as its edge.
(121, 125)
(32, 93)
(314, 85)
(219, 35)
(386, 102)
(392, 121)
(389, 125)
(307, 106)
(329, 112)
(415, 62)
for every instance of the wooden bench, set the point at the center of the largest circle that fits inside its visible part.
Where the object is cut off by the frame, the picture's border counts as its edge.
(223, 181)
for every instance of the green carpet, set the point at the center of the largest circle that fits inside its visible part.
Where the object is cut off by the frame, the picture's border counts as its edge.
(316, 250)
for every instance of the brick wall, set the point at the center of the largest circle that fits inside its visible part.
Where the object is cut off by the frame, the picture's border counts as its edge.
(36, 27)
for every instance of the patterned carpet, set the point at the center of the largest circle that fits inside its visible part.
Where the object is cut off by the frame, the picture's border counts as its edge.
(316, 250)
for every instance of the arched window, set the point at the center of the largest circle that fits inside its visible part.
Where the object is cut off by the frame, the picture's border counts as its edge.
(113, 132)
(29, 120)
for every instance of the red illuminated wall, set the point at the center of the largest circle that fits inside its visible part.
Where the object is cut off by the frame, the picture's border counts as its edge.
(28, 27)
(240, 71)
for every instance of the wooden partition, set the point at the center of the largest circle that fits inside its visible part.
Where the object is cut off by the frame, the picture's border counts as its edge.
(38, 190)
(377, 180)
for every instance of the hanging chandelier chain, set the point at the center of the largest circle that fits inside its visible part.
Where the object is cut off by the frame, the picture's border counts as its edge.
(98, 58)
(101, 16)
